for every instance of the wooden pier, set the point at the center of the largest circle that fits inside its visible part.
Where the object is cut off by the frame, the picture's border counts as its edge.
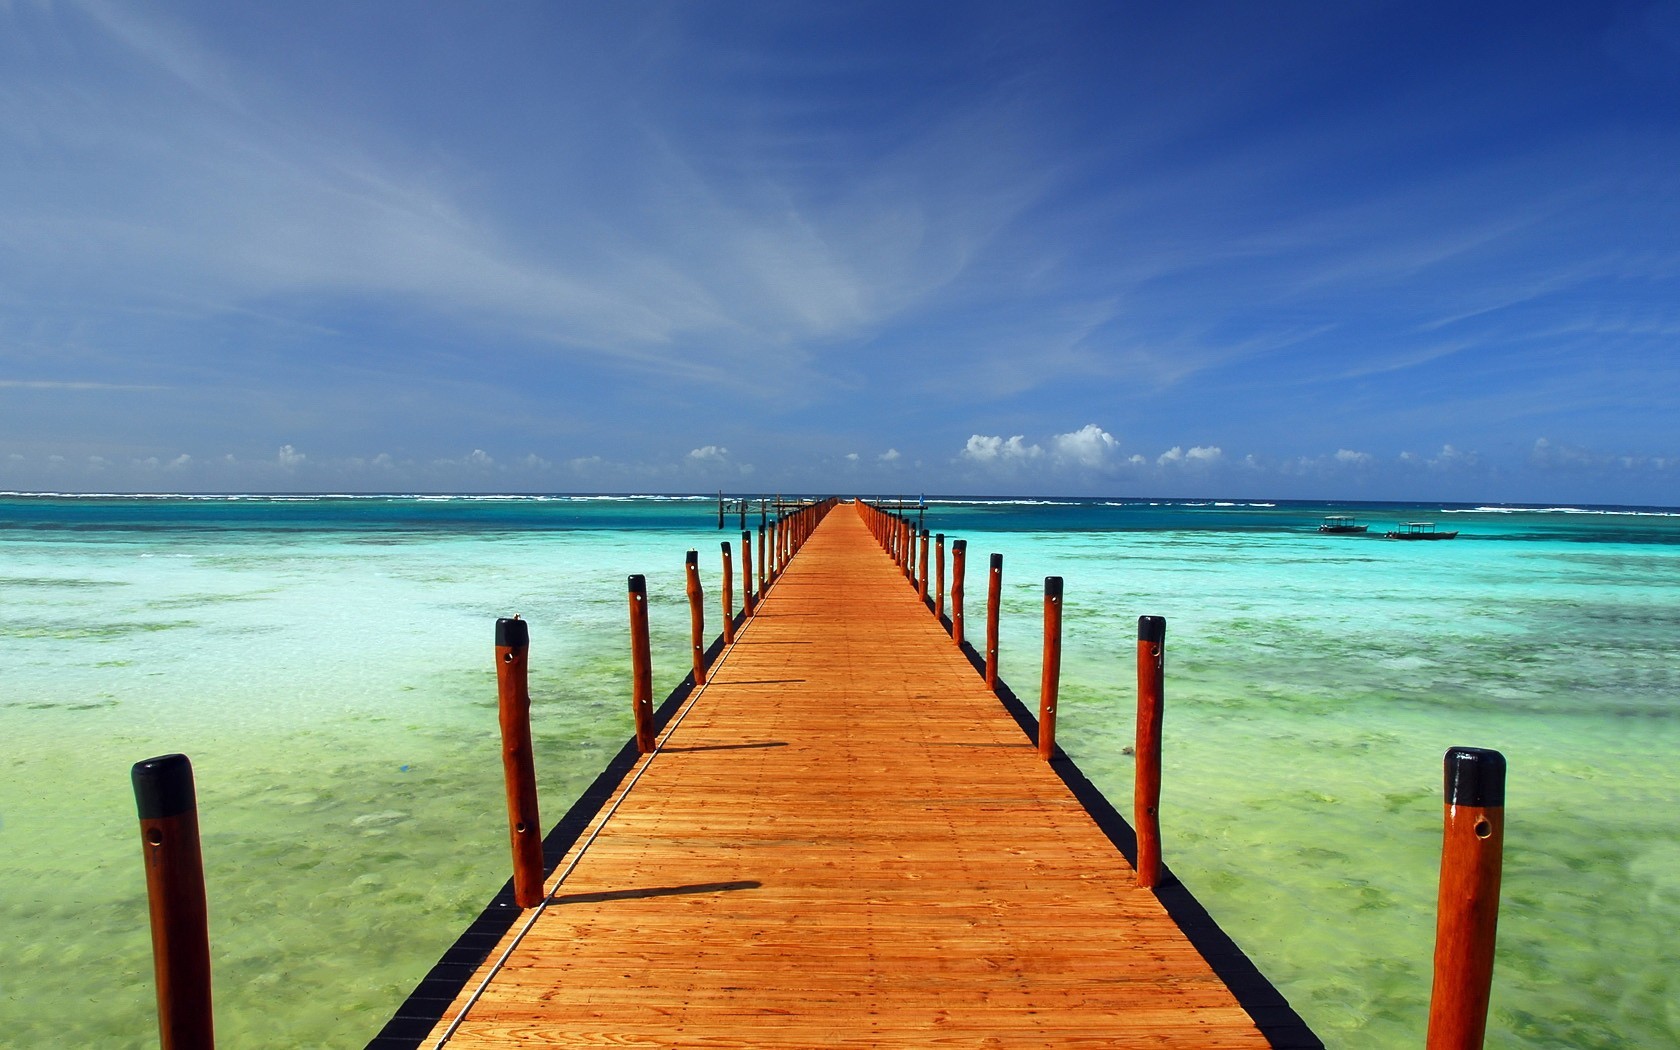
(845, 838)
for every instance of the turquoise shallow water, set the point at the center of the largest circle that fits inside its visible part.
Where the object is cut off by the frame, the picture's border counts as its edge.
(326, 665)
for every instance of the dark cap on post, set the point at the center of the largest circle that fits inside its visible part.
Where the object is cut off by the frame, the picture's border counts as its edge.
(691, 558)
(997, 561)
(512, 633)
(959, 545)
(1474, 776)
(638, 584)
(1152, 629)
(163, 787)
(1052, 586)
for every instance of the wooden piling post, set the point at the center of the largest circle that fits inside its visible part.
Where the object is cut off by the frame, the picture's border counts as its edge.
(720, 508)
(763, 574)
(994, 598)
(641, 666)
(1050, 677)
(1467, 909)
(959, 556)
(746, 573)
(169, 844)
(728, 593)
(939, 576)
(773, 541)
(696, 615)
(1146, 791)
(922, 567)
(519, 773)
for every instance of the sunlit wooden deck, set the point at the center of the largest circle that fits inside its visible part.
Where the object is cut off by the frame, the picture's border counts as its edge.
(845, 839)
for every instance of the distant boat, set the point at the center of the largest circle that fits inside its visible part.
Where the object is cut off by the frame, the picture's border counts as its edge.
(1340, 525)
(1419, 530)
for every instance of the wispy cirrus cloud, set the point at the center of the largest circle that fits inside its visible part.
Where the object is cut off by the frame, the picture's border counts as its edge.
(238, 192)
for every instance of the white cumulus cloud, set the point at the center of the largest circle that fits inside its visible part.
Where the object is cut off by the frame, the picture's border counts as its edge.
(1089, 446)
(991, 451)
(1199, 455)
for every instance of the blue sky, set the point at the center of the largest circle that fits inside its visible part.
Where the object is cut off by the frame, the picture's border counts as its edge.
(1345, 251)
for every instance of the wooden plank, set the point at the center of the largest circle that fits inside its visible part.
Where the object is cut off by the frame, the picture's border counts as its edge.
(845, 840)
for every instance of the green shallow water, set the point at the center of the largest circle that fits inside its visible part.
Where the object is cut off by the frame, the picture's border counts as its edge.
(1313, 687)
(327, 667)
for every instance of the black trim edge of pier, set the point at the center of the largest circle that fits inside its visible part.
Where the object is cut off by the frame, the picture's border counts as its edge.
(1278, 1022)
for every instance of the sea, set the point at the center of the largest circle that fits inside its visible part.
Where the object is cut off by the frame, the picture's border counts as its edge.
(326, 662)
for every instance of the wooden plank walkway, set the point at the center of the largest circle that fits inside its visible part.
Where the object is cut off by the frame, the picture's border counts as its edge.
(845, 839)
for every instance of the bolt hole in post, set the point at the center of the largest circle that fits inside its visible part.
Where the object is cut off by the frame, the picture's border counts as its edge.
(1467, 906)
